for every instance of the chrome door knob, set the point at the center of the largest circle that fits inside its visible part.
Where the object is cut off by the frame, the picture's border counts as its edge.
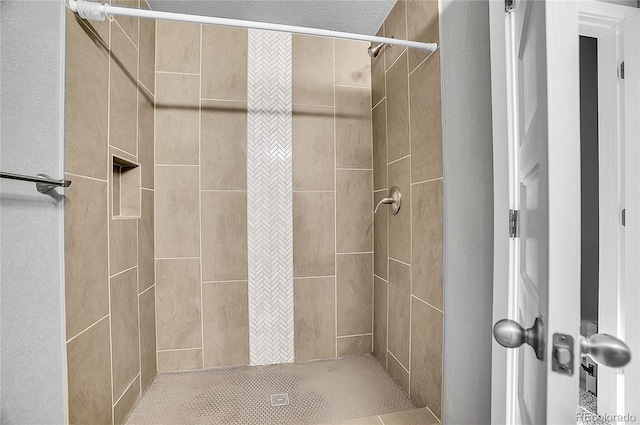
(511, 335)
(606, 350)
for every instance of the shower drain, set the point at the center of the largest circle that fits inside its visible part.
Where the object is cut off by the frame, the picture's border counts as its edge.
(280, 399)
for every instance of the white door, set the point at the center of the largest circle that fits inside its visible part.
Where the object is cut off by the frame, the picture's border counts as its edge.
(535, 78)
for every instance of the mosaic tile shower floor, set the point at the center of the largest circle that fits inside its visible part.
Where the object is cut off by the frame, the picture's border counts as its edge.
(319, 392)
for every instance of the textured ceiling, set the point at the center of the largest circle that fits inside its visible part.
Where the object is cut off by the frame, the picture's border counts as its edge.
(358, 16)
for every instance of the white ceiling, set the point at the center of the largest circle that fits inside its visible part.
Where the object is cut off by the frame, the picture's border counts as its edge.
(358, 16)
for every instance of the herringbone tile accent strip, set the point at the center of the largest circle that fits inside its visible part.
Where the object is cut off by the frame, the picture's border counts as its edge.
(269, 198)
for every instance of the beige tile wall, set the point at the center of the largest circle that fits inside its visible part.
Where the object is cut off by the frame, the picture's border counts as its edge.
(110, 281)
(408, 246)
(201, 198)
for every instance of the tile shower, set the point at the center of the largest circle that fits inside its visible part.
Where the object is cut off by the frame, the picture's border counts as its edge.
(180, 279)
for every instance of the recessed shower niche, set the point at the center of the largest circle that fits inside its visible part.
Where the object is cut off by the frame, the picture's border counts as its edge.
(125, 190)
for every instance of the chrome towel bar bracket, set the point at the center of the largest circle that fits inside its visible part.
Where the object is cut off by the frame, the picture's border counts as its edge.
(44, 183)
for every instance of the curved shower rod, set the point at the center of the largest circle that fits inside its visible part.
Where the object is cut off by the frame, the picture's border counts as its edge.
(99, 11)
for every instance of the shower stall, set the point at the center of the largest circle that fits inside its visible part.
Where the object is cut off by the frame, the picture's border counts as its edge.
(222, 259)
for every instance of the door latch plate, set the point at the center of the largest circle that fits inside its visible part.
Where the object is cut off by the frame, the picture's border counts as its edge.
(562, 359)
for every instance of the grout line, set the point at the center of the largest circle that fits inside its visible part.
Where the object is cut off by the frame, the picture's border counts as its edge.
(178, 73)
(224, 281)
(355, 335)
(87, 177)
(142, 84)
(109, 208)
(376, 105)
(87, 328)
(200, 199)
(388, 221)
(422, 62)
(350, 86)
(177, 258)
(208, 99)
(312, 191)
(179, 349)
(152, 286)
(147, 189)
(410, 213)
(313, 277)
(381, 190)
(434, 415)
(353, 169)
(176, 165)
(399, 159)
(294, 105)
(223, 190)
(155, 263)
(401, 365)
(381, 278)
(429, 304)
(398, 261)
(335, 201)
(396, 59)
(125, 33)
(127, 389)
(355, 252)
(428, 181)
(127, 270)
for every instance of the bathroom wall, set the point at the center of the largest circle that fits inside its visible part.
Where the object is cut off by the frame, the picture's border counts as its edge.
(202, 219)
(407, 153)
(109, 259)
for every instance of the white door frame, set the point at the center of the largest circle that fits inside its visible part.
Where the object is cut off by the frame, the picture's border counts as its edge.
(595, 19)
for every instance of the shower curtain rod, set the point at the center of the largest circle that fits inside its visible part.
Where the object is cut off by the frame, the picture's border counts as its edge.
(98, 11)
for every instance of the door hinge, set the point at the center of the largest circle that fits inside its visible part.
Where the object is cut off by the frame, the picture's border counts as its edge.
(509, 5)
(621, 71)
(514, 230)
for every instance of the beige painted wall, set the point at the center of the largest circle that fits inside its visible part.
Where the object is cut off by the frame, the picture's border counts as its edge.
(408, 309)
(201, 198)
(110, 284)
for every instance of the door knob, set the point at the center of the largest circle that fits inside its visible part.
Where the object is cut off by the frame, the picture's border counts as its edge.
(511, 335)
(606, 349)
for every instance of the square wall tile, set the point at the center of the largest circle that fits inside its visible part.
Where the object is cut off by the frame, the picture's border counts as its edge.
(177, 218)
(353, 127)
(148, 366)
(379, 124)
(426, 357)
(124, 330)
(355, 293)
(123, 244)
(89, 376)
(86, 254)
(226, 324)
(178, 304)
(380, 320)
(380, 237)
(147, 51)
(224, 235)
(123, 112)
(223, 152)
(426, 264)
(399, 305)
(179, 360)
(312, 61)
(177, 119)
(124, 406)
(398, 373)
(177, 47)
(86, 90)
(354, 345)
(313, 145)
(314, 318)
(146, 136)
(146, 254)
(422, 25)
(313, 234)
(400, 223)
(224, 63)
(426, 124)
(398, 145)
(395, 26)
(377, 74)
(353, 64)
(354, 212)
